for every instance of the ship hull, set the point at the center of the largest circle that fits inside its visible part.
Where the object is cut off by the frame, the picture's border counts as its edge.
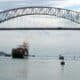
(16, 55)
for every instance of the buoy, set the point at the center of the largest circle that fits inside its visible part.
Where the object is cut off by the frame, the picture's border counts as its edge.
(62, 63)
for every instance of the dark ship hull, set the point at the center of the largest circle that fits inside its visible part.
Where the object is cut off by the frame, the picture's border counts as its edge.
(19, 52)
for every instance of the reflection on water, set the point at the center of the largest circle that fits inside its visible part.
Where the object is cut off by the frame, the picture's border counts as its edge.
(36, 69)
(62, 73)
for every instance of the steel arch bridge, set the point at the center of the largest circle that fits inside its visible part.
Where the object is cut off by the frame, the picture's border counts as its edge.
(37, 10)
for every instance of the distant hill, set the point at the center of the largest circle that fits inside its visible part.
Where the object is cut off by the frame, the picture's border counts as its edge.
(4, 54)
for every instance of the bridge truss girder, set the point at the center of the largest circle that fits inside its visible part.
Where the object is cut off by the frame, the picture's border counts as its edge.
(52, 11)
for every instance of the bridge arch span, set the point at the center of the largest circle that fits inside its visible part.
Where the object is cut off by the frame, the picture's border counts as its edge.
(37, 10)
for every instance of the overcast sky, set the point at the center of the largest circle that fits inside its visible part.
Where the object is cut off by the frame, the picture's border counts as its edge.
(69, 4)
(39, 40)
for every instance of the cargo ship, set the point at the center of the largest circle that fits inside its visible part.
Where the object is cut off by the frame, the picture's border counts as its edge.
(21, 51)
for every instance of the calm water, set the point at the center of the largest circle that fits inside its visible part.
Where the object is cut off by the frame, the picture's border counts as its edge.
(38, 69)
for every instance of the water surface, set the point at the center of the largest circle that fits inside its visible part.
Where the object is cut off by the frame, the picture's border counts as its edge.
(38, 69)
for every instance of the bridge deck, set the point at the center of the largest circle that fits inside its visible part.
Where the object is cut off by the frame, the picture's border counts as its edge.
(44, 28)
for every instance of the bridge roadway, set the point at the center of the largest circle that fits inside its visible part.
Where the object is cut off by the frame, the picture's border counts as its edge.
(39, 28)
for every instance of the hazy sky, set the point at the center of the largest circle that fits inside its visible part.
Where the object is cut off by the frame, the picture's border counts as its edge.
(40, 41)
(69, 4)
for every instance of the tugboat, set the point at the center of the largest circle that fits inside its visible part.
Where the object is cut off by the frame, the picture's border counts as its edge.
(61, 57)
(21, 51)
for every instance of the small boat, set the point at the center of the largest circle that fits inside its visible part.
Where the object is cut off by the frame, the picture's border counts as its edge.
(61, 57)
